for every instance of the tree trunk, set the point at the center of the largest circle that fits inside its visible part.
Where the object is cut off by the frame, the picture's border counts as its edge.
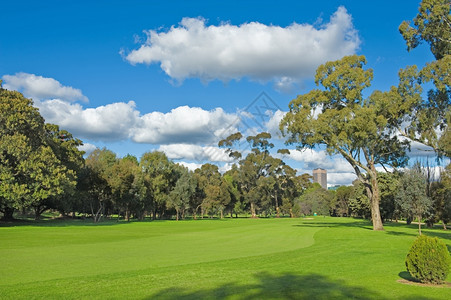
(277, 206)
(444, 225)
(374, 201)
(37, 214)
(419, 225)
(253, 214)
(8, 214)
(291, 213)
(222, 214)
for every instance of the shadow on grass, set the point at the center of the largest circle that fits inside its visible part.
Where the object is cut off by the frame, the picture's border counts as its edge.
(284, 286)
(59, 222)
(392, 228)
(352, 223)
(68, 221)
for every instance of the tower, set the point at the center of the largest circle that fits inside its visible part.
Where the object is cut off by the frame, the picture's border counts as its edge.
(320, 176)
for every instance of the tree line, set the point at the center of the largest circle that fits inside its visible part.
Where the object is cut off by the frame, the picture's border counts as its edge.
(41, 166)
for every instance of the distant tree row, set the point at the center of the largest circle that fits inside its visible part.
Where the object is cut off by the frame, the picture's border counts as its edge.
(410, 195)
(41, 168)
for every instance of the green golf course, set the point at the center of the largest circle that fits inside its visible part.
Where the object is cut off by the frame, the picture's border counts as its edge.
(317, 258)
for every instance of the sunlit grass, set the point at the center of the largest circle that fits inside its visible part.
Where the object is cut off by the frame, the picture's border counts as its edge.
(322, 258)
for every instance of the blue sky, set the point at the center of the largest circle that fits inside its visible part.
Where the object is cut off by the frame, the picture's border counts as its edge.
(176, 76)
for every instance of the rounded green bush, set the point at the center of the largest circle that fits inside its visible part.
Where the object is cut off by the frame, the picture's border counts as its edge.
(428, 260)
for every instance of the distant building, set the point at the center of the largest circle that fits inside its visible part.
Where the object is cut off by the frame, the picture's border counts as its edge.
(320, 176)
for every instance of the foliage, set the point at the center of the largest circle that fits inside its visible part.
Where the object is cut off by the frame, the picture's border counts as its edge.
(432, 25)
(340, 205)
(160, 179)
(359, 204)
(430, 119)
(229, 142)
(99, 171)
(388, 184)
(441, 196)
(411, 196)
(428, 260)
(362, 130)
(183, 193)
(316, 200)
(38, 162)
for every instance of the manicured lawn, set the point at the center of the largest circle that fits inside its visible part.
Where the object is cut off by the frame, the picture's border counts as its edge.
(320, 258)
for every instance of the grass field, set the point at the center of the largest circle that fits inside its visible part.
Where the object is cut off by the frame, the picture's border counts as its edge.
(321, 258)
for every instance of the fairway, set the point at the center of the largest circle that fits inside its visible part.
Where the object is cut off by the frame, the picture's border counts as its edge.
(319, 258)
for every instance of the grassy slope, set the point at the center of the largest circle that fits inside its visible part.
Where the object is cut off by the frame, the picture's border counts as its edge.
(239, 259)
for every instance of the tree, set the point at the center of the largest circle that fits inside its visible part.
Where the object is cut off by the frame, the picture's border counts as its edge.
(430, 119)
(363, 131)
(441, 196)
(216, 194)
(183, 192)
(229, 142)
(340, 205)
(160, 179)
(99, 166)
(388, 183)
(122, 182)
(32, 172)
(232, 177)
(316, 200)
(432, 25)
(359, 204)
(411, 196)
(65, 147)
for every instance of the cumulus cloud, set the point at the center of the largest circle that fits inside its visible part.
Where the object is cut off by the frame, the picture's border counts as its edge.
(38, 87)
(184, 124)
(108, 123)
(120, 121)
(190, 166)
(339, 171)
(257, 51)
(195, 152)
(312, 159)
(87, 148)
(340, 178)
(272, 125)
(420, 150)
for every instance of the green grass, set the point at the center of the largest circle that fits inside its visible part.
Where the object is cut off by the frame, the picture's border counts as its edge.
(323, 258)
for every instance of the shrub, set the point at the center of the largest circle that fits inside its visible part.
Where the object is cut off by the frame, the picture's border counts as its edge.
(428, 260)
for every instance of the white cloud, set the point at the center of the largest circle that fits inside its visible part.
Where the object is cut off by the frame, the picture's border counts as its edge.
(121, 121)
(311, 158)
(339, 171)
(184, 124)
(417, 149)
(38, 87)
(110, 122)
(87, 148)
(254, 50)
(340, 178)
(195, 152)
(190, 166)
(272, 125)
